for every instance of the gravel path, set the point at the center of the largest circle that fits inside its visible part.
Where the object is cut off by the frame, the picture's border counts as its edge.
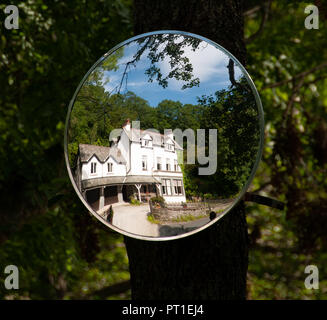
(133, 219)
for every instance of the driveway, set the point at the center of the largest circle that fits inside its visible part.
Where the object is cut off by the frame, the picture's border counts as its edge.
(133, 219)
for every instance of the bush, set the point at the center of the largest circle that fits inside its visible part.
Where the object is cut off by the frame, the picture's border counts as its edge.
(110, 215)
(208, 196)
(134, 201)
(184, 204)
(158, 200)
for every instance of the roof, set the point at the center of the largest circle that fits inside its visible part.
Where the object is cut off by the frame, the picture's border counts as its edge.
(134, 134)
(87, 151)
(141, 179)
(106, 181)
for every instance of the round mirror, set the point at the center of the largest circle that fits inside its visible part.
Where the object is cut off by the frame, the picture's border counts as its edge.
(163, 135)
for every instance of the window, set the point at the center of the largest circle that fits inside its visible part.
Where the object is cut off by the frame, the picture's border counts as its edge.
(146, 143)
(178, 190)
(144, 163)
(93, 167)
(167, 164)
(176, 168)
(159, 163)
(169, 147)
(110, 166)
(166, 187)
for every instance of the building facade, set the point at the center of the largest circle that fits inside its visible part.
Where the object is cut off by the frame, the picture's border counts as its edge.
(139, 164)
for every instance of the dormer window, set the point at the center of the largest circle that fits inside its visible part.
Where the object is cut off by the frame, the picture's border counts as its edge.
(169, 147)
(146, 142)
(93, 167)
(110, 165)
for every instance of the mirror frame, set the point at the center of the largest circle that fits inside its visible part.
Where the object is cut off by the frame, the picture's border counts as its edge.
(254, 168)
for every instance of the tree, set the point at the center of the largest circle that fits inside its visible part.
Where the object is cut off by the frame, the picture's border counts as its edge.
(211, 264)
(44, 227)
(62, 252)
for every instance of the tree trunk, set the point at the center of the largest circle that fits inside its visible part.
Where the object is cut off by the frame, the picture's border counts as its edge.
(211, 264)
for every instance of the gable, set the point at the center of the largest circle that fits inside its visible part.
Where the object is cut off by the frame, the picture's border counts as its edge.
(94, 158)
(147, 137)
(169, 141)
(111, 159)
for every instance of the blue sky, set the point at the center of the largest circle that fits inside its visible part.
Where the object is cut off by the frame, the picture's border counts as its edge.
(209, 65)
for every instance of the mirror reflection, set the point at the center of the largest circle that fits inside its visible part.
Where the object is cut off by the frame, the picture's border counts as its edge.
(163, 135)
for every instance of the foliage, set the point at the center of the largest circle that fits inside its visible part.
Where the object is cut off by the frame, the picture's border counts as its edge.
(158, 200)
(134, 201)
(188, 217)
(288, 65)
(44, 229)
(60, 250)
(152, 219)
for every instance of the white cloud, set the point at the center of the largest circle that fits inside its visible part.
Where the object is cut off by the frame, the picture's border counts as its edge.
(209, 65)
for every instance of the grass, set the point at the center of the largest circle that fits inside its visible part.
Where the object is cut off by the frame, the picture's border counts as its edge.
(184, 218)
(188, 217)
(152, 219)
(220, 211)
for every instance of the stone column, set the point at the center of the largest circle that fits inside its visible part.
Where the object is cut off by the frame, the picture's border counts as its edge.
(120, 193)
(138, 187)
(101, 200)
(159, 189)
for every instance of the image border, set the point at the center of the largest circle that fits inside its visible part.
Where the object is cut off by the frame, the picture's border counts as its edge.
(254, 168)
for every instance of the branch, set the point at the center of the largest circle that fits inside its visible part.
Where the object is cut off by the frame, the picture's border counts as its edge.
(231, 73)
(300, 75)
(117, 288)
(263, 186)
(251, 197)
(291, 101)
(252, 11)
(265, 14)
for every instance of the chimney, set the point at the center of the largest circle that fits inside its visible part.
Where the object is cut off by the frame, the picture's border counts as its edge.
(127, 125)
(169, 134)
(115, 141)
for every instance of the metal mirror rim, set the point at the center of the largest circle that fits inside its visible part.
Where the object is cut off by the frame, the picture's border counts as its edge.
(254, 168)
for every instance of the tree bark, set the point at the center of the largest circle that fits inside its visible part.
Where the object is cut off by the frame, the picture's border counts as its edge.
(211, 264)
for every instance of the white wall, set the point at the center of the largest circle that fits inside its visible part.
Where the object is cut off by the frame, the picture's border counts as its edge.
(86, 169)
(118, 169)
(136, 159)
(123, 146)
(152, 153)
(102, 169)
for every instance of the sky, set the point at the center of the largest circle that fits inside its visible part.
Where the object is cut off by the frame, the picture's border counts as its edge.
(209, 65)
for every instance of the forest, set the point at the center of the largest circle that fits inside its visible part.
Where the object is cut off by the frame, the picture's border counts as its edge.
(64, 253)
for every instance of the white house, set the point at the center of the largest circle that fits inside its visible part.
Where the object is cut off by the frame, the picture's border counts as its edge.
(139, 163)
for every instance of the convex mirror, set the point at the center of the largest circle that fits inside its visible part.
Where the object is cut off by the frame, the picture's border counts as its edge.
(163, 135)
